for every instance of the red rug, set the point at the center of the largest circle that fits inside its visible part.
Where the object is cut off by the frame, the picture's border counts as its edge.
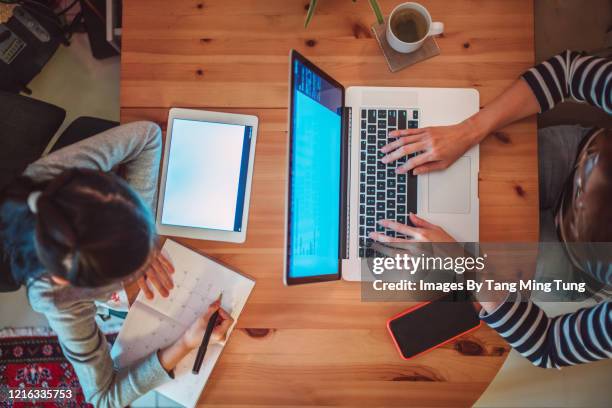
(37, 363)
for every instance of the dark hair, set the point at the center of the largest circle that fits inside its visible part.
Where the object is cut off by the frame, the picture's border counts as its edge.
(598, 227)
(90, 228)
(594, 234)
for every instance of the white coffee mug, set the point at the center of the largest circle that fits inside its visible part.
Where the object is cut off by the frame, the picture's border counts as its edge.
(433, 28)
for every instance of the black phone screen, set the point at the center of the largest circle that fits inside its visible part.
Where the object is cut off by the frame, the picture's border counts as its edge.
(428, 326)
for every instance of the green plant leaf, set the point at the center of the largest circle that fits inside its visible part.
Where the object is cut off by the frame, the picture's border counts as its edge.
(373, 4)
(376, 8)
(311, 10)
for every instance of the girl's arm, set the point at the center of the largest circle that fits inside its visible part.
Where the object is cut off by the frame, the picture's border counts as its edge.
(86, 348)
(136, 146)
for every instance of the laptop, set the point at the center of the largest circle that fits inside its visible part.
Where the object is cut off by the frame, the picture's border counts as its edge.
(338, 188)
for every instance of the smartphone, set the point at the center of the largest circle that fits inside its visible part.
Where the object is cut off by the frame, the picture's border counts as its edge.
(431, 324)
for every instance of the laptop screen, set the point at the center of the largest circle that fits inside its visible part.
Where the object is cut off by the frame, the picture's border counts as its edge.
(314, 196)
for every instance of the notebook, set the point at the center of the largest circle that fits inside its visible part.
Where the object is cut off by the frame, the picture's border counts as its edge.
(154, 324)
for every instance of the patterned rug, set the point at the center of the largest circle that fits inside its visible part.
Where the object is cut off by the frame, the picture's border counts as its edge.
(37, 362)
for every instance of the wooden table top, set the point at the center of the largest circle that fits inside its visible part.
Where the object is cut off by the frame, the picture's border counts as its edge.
(316, 345)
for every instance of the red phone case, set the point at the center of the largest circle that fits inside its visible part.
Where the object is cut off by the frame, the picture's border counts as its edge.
(412, 309)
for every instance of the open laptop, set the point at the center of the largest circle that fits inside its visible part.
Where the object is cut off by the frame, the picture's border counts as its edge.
(338, 188)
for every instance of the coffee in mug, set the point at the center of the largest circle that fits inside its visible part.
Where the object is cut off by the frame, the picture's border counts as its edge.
(408, 25)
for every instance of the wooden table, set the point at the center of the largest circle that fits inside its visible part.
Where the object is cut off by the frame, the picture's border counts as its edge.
(318, 345)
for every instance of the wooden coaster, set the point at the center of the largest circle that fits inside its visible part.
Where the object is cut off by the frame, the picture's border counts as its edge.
(397, 60)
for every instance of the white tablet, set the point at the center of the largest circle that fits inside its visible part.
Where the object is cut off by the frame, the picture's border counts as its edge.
(206, 175)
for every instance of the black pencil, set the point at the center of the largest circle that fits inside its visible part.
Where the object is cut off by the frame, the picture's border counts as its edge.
(212, 322)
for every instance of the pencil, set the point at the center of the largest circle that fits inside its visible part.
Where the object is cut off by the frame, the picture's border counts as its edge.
(212, 322)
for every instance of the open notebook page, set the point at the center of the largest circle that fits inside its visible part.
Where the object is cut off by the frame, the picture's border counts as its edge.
(156, 323)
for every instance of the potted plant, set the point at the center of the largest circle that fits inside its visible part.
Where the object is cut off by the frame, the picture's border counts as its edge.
(373, 3)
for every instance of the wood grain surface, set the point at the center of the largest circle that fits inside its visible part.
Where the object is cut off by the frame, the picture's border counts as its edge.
(320, 345)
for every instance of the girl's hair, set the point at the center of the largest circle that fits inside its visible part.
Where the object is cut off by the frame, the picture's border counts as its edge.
(90, 228)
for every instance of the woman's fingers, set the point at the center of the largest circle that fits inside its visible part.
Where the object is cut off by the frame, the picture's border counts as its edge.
(401, 228)
(158, 272)
(416, 161)
(420, 222)
(380, 237)
(165, 263)
(164, 274)
(212, 308)
(153, 277)
(404, 150)
(225, 315)
(227, 319)
(224, 327)
(389, 147)
(142, 284)
(407, 132)
(226, 322)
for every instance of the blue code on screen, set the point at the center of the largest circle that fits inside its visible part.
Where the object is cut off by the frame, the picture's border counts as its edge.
(315, 175)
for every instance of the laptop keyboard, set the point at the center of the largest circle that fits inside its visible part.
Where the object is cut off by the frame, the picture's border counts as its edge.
(383, 194)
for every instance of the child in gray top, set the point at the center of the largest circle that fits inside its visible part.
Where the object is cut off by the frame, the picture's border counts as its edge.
(73, 231)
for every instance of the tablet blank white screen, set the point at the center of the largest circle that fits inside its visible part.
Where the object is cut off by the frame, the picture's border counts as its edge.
(203, 174)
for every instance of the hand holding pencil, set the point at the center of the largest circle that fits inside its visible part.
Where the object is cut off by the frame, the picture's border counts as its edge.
(193, 336)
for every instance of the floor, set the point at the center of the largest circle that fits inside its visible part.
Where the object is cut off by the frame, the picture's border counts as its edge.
(92, 89)
(520, 384)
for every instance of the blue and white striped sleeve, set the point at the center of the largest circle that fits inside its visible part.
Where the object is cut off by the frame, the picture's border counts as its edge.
(569, 339)
(572, 75)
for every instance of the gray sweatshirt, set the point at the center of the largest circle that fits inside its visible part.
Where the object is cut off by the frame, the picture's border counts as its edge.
(71, 311)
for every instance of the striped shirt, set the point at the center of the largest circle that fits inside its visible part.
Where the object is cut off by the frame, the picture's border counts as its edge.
(572, 75)
(573, 338)
(585, 335)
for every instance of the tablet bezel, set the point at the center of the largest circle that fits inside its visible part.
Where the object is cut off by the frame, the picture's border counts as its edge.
(203, 233)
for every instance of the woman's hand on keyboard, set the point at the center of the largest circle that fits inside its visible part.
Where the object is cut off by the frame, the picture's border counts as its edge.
(423, 231)
(430, 148)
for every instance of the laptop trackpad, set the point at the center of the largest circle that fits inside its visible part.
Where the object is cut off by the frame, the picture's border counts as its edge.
(449, 190)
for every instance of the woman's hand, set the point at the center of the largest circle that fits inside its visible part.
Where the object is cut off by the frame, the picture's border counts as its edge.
(170, 356)
(159, 273)
(193, 336)
(423, 231)
(441, 146)
(437, 147)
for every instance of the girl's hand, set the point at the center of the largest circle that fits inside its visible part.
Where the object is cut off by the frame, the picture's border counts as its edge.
(438, 146)
(170, 356)
(193, 336)
(159, 273)
(423, 231)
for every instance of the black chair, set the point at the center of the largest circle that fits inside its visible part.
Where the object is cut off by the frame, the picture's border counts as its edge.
(26, 128)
